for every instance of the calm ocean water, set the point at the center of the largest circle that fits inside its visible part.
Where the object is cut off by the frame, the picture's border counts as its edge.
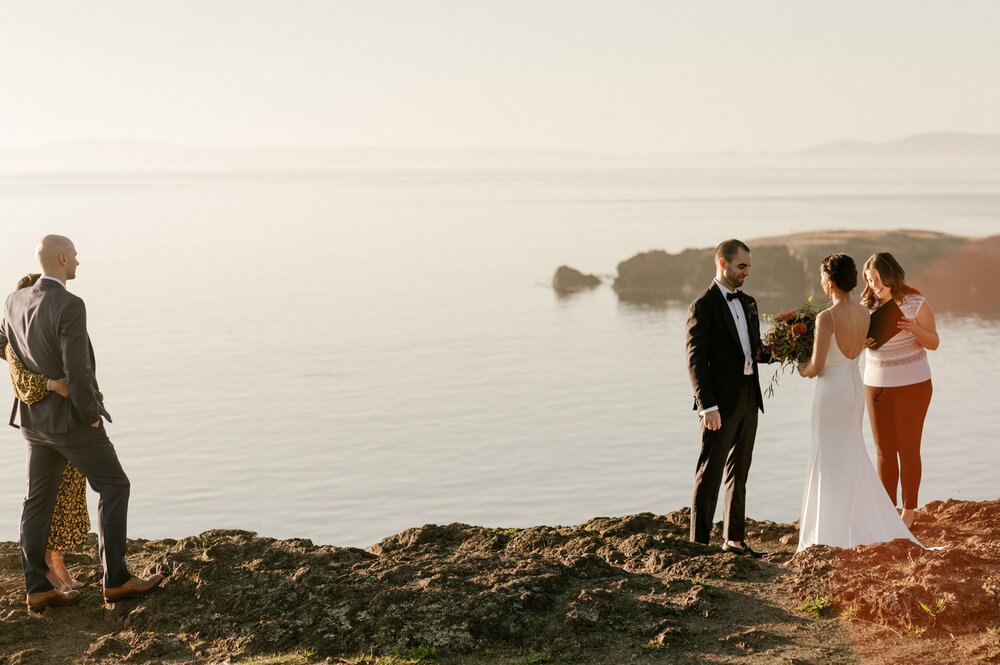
(343, 355)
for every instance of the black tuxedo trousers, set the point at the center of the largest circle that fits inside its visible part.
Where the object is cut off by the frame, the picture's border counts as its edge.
(726, 454)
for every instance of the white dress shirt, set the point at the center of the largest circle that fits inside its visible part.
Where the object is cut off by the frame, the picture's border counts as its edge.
(739, 316)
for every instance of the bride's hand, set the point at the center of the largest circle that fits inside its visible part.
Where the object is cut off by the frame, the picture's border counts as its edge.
(870, 342)
(802, 369)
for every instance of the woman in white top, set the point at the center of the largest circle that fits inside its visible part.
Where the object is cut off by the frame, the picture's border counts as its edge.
(898, 379)
(843, 504)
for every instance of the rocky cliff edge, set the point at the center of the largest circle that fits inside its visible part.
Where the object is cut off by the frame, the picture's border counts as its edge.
(611, 590)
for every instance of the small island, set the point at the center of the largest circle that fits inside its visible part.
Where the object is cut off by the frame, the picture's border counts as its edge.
(612, 590)
(567, 280)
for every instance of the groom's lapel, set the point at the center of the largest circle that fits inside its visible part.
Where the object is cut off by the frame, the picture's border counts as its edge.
(727, 314)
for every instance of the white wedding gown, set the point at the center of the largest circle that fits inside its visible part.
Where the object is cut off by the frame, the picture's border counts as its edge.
(844, 503)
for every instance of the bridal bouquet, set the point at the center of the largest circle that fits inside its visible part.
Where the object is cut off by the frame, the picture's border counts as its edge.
(790, 339)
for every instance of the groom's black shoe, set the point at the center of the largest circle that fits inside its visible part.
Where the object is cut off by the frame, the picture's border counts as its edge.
(746, 550)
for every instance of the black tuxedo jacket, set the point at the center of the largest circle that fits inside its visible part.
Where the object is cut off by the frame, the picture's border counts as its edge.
(46, 327)
(714, 353)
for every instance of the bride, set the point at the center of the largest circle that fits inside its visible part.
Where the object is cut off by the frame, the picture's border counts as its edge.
(844, 503)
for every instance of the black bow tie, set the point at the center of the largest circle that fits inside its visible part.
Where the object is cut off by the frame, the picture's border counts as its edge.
(733, 296)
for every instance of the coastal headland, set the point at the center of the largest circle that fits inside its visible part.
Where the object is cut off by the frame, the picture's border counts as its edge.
(612, 590)
(952, 271)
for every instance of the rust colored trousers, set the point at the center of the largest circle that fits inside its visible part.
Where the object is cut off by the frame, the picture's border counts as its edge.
(897, 418)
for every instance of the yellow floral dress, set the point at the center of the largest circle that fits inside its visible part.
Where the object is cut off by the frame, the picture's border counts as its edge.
(70, 521)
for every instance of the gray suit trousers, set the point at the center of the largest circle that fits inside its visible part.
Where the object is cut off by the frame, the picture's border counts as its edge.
(90, 451)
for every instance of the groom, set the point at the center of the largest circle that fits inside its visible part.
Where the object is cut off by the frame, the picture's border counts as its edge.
(723, 337)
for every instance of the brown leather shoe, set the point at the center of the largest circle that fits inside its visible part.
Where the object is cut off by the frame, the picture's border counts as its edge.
(136, 586)
(39, 600)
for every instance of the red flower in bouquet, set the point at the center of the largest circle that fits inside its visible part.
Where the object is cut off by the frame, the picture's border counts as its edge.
(790, 339)
(785, 316)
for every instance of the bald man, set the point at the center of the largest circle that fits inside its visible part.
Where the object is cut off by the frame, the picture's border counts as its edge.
(46, 327)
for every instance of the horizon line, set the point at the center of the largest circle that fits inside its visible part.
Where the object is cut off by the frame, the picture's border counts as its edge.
(481, 149)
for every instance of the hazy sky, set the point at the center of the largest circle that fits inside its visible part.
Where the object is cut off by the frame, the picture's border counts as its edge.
(620, 75)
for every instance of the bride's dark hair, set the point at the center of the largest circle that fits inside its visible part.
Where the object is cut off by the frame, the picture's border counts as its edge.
(841, 271)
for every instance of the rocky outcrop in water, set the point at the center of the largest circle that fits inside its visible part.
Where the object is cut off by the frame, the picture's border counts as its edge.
(568, 280)
(776, 272)
(786, 268)
(951, 270)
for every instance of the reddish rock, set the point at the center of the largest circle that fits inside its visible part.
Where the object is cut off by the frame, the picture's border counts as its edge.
(963, 282)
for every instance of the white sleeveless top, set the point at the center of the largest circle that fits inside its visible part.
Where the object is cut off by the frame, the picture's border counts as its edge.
(901, 361)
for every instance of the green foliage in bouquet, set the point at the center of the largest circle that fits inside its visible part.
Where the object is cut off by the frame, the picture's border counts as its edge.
(790, 339)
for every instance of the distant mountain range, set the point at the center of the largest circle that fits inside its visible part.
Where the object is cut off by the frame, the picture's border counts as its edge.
(936, 146)
(919, 151)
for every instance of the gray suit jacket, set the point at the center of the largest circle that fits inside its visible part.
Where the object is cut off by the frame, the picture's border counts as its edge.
(46, 326)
